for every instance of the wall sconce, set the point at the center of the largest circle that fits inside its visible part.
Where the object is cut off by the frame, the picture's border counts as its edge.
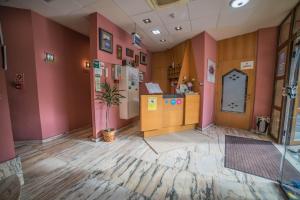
(87, 65)
(49, 57)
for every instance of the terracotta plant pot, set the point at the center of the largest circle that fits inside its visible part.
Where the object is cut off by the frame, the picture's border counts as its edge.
(109, 135)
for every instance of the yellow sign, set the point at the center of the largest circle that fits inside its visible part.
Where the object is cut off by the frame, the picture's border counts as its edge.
(152, 103)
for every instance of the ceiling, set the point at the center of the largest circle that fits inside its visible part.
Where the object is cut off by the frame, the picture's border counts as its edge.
(214, 16)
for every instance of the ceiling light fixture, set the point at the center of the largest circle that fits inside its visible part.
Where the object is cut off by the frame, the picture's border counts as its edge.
(147, 21)
(178, 28)
(238, 3)
(163, 40)
(155, 31)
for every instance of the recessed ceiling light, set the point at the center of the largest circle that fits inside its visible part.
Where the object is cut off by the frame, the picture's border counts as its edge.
(238, 3)
(178, 28)
(155, 31)
(163, 40)
(147, 21)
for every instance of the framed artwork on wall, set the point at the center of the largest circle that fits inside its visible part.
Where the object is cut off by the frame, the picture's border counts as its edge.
(119, 52)
(129, 52)
(105, 41)
(211, 71)
(141, 76)
(137, 60)
(143, 58)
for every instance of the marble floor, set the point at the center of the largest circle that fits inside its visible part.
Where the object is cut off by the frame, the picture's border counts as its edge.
(293, 158)
(73, 167)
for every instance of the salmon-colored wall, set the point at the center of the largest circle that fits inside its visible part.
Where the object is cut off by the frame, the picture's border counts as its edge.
(266, 61)
(18, 37)
(198, 49)
(56, 97)
(122, 38)
(63, 86)
(7, 149)
(210, 52)
(205, 47)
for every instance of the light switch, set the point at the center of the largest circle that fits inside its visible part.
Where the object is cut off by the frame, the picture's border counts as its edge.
(106, 72)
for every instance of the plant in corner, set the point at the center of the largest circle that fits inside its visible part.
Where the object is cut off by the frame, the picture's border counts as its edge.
(110, 96)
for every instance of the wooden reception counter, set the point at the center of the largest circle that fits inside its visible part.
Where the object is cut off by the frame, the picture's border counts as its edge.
(162, 114)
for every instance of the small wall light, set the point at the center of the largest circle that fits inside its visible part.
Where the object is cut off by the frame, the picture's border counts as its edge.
(49, 58)
(87, 65)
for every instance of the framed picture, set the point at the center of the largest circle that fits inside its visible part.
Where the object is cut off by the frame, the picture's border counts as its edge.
(211, 71)
(129, 52)
(137, 60)
(143, 58)
(119, 52)
(105, 41)
(141, 77)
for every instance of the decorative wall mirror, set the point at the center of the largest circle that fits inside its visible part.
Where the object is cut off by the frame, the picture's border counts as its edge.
(234, 90)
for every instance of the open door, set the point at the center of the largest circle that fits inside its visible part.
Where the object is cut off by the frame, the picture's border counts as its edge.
(293, 105)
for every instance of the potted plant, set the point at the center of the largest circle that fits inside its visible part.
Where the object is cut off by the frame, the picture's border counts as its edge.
(109, 96)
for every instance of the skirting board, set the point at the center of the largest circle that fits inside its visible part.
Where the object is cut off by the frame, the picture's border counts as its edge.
(167, 130)
(21, 142)
(203, 129)
(117, 131)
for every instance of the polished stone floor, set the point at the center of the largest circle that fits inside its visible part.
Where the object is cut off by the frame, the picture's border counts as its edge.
(73, 167)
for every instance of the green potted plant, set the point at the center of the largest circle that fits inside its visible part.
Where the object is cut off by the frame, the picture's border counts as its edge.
(110, 96)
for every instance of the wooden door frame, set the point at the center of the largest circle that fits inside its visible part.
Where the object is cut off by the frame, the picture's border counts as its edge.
(289, 44)
(293, 102)
(282, 108)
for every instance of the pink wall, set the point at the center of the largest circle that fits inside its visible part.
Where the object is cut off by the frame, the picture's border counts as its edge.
(63, 86)
(119, 37)
(209, 88)
(56, 97)
(205, 47)
(266, 61)
(17, 30)
(7, 149)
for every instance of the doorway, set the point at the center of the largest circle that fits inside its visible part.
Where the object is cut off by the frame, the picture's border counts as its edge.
(235, 86)
(291, 128)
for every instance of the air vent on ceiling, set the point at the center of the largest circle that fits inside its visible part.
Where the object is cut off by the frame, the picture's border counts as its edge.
(155, 4)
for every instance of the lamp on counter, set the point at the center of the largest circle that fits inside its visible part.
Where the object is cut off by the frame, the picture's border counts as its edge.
(49, 57)
(190, 84)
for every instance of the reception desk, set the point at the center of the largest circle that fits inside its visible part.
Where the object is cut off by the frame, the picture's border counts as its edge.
(162, 114)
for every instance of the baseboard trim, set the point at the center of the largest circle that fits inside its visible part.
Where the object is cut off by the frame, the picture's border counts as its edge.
(118, 131)
(168, 130)
(22, 142)
(128, 126)
(253, 130)
(208, 126)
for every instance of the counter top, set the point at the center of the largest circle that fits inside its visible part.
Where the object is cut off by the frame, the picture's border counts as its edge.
(168, 96)
(165, 96)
